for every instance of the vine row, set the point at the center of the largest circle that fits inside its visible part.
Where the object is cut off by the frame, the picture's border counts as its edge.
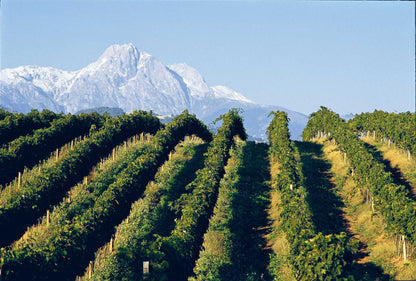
(392, 201)
(39, 193)
(399, 128)
(174, 256)
(150, 217)
(19, 124)
(73, 243)
(233, 247)
(314, 256)
(26, 151)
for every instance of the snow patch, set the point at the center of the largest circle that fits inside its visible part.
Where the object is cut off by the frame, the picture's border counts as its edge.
(130, 79)
(227, 93)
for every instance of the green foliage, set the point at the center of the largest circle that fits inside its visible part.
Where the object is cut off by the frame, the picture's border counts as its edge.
(313, 255)
(323, 257)
(4, 113)
(180, 249)
(233, 248)
(71, 245)
(112, 111)
(19, 124)
(391, 200)
(138, 237)
(281, 151)
(398, 127)
(26, 151)
(20, 257)
(41, 192)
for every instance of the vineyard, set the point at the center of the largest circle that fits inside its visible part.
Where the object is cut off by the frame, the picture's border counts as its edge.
(95, 197)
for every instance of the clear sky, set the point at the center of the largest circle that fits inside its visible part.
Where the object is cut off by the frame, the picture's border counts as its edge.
(349, 56)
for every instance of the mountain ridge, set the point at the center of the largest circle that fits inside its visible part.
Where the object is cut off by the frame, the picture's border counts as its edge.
(130, 79)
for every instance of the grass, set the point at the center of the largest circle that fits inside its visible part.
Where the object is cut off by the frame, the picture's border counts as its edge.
(378, 250)
(169, 184)
(281, 266)
(277, 241)
(397, 159)
(322, 197)
(37, 232)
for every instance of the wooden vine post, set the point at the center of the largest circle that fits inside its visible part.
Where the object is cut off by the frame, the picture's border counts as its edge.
(47, 217)
(90, 270)
(404, 248)
(111, 244)
(19, 180)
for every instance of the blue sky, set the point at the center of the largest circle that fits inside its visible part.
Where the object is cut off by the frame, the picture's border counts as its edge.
(349, 56)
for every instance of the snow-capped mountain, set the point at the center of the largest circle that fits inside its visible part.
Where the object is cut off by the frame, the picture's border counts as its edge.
(130, 79)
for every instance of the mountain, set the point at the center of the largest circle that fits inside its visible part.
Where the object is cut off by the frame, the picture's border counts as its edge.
(210, 102)
(127, 78)
(112, 111)
(347, 116)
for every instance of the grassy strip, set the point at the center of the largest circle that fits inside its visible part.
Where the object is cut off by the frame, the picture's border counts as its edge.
(18, 184)
(81, 196)
(233, 245)
(397, 162)
(280, 267)
(393, 201)
(314, 256)
(40, 193)
(26, 151)
(378, 251)
(173, 257)
(150, 217)
(77, 240)
(399, 128)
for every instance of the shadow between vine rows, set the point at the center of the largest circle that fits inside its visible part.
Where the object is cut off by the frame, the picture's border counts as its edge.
(395, 172)
(326, 207)
(249, 255)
